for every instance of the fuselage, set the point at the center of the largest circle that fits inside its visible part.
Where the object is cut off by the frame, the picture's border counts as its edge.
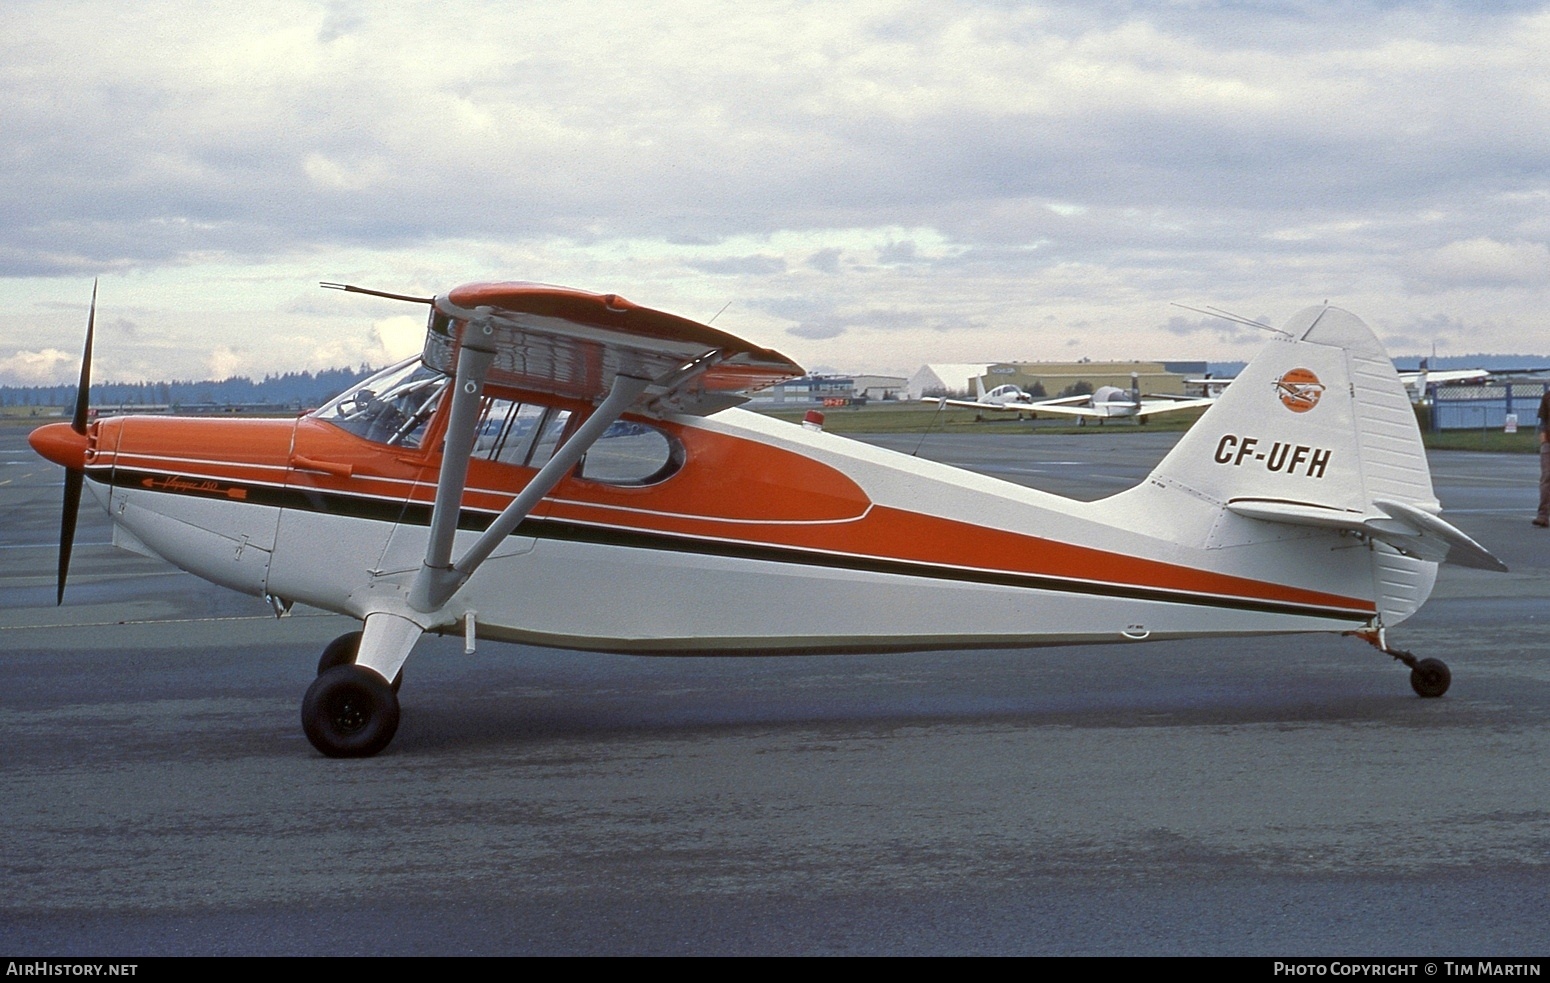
(1007, 395)
(1113, 402)
(737, 533)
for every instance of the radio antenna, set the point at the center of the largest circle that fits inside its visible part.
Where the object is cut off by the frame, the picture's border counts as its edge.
(1229, 316)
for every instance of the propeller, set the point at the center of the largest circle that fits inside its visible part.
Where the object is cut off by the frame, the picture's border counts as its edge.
(75, 477)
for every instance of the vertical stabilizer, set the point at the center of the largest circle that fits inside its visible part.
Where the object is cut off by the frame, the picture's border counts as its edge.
(1317, 418)
(1308, 441)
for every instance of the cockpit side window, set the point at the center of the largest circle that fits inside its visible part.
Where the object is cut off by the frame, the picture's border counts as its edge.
(392, 407)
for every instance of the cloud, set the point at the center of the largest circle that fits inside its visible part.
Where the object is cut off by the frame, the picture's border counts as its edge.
(1481, 261)
(1427, 333)
(398, 338)
(48, 367)
(977, 170)
(223, 363)
(825, 261)
(817, 330)
(740, 265)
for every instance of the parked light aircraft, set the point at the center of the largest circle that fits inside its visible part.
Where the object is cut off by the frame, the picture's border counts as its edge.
(568, 469)
(1110, 402)
(1005, 397)
(1104, 403)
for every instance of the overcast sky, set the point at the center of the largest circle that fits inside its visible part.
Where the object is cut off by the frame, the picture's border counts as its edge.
(862, 185)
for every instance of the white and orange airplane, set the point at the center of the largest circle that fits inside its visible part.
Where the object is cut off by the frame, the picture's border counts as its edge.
(569, 469)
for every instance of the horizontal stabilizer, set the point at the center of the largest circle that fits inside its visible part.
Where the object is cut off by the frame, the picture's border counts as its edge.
(1461, 549)
(1410, 530)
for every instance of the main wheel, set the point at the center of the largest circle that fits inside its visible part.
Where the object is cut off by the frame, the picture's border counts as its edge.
(349, 712)
(1430, 678)
(341, 652)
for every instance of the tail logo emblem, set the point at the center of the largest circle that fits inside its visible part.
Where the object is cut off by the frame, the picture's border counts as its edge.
(1299, 390)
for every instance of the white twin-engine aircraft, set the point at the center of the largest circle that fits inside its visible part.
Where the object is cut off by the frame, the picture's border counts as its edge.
(1104, 403)
(567, 469)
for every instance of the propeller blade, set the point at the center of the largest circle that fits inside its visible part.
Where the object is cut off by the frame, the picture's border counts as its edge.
(73, 482)
(83, 388)
(75, 478)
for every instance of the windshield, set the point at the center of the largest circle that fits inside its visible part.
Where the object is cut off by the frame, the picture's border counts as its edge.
(391, 407)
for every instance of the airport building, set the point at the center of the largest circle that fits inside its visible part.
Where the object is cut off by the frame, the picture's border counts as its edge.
(831, 390)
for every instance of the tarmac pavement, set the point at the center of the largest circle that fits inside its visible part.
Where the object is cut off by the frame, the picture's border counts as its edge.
(1278, 796)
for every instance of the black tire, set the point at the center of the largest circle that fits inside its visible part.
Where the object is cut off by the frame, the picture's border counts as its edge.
(341, 652)
(349, 712)
(1430, 678)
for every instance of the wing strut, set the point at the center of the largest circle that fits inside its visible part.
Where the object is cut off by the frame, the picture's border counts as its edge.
(438, 580)
(473, 364)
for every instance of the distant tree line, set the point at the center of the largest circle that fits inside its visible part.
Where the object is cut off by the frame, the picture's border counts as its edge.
(293, 390)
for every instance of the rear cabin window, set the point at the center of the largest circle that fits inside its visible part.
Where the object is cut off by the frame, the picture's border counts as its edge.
(526, 434)
(631, 453)
(523, 434)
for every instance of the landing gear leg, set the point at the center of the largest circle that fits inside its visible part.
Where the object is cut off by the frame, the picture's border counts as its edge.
(341, 652)
(1430, 678)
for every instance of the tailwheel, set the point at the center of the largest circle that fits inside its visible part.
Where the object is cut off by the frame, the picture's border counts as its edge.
(349, 712)
(341, 652)
(1430, 678)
